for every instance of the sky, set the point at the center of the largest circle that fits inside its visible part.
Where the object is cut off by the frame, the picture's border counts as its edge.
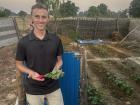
(25, 5)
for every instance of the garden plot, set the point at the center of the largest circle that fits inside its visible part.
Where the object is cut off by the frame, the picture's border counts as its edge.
(114, 73)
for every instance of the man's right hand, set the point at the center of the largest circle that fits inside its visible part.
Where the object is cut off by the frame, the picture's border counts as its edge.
(31, 74)
(35, 76)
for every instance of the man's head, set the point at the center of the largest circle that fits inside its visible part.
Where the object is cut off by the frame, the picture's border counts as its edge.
(39, 13)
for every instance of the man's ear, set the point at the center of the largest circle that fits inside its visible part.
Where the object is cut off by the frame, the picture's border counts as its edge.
(30, 27)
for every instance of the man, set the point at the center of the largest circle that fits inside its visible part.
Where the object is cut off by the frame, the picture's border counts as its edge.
(41, 52)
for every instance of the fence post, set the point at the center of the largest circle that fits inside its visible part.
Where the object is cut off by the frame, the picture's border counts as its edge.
(20, 88)
(96, 26)
(117, 24)
(84, 81)
(77, 26)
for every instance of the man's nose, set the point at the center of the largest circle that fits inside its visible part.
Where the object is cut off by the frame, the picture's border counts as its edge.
(40, 19)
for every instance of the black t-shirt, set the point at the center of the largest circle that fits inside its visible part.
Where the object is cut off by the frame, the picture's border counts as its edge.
(40, 56)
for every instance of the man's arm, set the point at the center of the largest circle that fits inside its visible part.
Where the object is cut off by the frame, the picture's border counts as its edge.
(59, 62)
(31, 74)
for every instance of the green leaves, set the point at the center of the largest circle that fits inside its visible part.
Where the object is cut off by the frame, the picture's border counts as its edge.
(68, 9)
(120, 83)
(94, 97)
(135, 8)
(55, 74)
(137, 78)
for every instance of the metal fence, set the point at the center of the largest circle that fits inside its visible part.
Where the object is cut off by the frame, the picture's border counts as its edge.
(92, 28)
(87, 28)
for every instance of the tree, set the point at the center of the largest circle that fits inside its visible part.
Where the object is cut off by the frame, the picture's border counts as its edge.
(55, 8)
(134, 9)
(82, 13)
(68, 9)
(22, 13)
(92, 11)
(112, 14)
(4, 12)
(103, 9)
(123, 13)
(48, 3)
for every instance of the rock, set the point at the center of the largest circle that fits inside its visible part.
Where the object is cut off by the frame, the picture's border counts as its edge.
(127, 103)
(11, 96)
(13, 80)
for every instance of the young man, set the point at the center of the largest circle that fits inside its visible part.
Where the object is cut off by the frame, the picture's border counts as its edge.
(41, 52)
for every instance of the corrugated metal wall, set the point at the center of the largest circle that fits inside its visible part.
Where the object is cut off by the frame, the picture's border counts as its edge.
(70, 82)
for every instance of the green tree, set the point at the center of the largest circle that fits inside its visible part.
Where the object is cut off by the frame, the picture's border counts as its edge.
(93, 11)
(22, 13)
(103, 9)
(82, 13)
(123, 13)
(68, 9)
(55, 8)
(112, 14)
(134, 9)
(4, 12)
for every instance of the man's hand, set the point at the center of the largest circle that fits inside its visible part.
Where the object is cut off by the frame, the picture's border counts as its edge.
(35, 76)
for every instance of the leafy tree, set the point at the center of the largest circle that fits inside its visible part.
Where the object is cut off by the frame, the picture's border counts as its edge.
(112, 14)
(103, 9)
(4, 12)
(48, 3)
(92, 11)
(134, 8)
(7, 12)
(82, 13)
(123, 13)
(22, 13)
(55, 8)
(68, 9)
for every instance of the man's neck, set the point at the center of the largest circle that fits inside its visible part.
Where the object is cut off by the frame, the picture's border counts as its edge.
(40, 33)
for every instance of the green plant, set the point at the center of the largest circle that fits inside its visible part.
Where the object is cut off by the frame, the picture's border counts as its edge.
(74, 35)
(136, 78)
(55, 74)
(94, 97)
(120, 83)
(102, 50)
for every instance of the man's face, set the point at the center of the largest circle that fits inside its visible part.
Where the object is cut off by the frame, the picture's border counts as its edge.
(39, 18)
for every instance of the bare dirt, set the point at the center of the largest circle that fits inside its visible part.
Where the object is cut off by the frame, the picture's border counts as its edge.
(7, 76)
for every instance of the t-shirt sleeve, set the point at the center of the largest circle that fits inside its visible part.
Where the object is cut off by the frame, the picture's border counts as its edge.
(60, 48)
(20, 52)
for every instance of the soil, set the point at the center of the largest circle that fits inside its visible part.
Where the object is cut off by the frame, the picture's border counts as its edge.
(7, 75)
(123, 69)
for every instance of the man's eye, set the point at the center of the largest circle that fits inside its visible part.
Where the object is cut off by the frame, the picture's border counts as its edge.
(37, 16)
(44, 17)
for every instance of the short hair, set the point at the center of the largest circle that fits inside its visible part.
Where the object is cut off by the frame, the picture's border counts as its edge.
(39, 6)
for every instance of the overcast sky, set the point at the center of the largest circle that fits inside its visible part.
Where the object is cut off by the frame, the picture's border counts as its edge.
(17, 5)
